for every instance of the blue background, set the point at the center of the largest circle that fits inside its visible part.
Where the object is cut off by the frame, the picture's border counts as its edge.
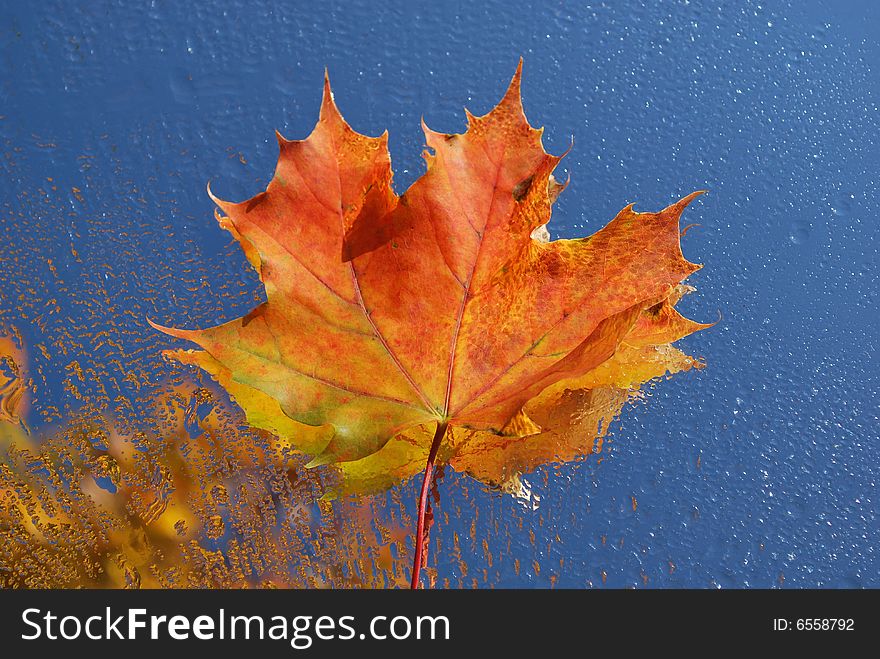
(759, 471)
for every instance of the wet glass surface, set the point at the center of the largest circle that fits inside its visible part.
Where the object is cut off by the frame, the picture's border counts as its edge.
(124, 469)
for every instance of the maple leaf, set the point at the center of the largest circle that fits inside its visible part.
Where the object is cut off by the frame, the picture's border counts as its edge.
(445, 307)
(565, 421)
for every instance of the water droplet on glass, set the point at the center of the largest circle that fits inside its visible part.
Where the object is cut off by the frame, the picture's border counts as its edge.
(216, 527)
(842, 205)
(799, 232)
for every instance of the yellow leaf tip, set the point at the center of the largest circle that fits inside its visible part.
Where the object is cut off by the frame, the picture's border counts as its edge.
(183, 356)
(320, 460)
(173, 331)
(158, 327)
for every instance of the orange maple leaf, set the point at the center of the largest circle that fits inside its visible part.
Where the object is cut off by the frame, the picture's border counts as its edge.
(393, 316)
(565, 421)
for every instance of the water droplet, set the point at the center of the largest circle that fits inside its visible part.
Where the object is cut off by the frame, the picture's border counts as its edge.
(842, 205)
(216, 527)
(799, 232)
